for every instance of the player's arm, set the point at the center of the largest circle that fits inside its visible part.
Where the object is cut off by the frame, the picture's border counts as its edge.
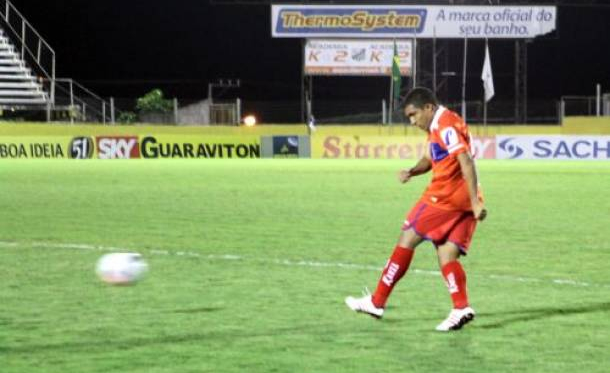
(470, 175)
(423, 165)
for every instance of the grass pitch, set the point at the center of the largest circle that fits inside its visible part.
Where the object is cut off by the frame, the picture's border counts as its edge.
(250, 262)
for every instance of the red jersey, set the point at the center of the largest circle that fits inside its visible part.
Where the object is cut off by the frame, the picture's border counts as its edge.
(448, 136)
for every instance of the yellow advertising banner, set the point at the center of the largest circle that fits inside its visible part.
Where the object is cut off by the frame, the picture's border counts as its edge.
(127, 146)
(171, 146)
(24, 147)
(367, 147)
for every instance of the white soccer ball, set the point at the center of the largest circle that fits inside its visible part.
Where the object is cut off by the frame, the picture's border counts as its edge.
(121, 268)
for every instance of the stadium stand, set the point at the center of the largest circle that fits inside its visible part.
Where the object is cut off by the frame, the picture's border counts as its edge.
(29, 87)
(18, 86)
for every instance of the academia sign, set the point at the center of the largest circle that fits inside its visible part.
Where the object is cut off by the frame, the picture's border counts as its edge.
(387, 21)
(553, 147)
(356, 57)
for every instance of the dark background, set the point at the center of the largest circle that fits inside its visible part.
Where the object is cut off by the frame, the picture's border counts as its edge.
(125, 48)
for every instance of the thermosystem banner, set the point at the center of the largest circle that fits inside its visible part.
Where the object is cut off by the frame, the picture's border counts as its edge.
(374, 21)
(553, 147)
(356, 57)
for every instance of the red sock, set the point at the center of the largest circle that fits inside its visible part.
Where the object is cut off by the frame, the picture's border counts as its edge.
(455, 277)
(392, 272)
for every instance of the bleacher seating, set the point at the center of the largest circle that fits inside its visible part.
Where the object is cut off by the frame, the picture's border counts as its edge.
(18, 86)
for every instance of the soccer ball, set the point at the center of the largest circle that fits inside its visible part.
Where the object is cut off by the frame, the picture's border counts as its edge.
(121, 268)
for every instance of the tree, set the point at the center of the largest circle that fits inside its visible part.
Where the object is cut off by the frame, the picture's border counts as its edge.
(153, 102)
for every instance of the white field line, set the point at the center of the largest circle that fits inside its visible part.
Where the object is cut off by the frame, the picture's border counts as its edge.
(285, 262)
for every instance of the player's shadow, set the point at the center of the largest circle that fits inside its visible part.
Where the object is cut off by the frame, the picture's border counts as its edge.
(532, 314)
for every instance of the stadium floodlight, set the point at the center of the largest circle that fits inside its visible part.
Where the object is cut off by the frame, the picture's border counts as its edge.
(250, 120)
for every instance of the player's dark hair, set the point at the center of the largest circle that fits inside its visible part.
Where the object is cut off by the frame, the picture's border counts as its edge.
(420, 96)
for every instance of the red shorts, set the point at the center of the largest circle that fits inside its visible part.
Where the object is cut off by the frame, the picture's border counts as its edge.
(440, 226)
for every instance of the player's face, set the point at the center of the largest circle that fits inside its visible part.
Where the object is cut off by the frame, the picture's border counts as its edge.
(420, 117)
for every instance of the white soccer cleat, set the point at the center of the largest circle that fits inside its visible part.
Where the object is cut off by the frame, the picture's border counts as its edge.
(364, 305)
(456, 319)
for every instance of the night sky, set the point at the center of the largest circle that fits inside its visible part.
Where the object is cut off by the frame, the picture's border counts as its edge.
(124, 48)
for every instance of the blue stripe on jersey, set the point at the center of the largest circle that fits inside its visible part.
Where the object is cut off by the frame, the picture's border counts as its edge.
(437, 152)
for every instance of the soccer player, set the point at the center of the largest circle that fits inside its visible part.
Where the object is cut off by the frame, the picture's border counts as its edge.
(446, 214)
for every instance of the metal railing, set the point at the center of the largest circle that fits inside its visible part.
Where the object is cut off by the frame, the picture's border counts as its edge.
(368, 111)
(82, 104)
(579, 105)
(33, 47)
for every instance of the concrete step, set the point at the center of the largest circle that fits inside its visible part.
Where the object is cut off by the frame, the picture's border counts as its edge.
(10, 93)
(10, 56)
(4, 50)
(6, 69)
(23, 101)
(21, 77)
(24, 85)
(11, 62)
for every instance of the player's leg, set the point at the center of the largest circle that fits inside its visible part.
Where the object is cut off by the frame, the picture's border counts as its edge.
(455, 277)
(453, 272)
(395, 268)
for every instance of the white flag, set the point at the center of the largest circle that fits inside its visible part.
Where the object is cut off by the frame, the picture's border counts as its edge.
(312, 123)
(488, 80)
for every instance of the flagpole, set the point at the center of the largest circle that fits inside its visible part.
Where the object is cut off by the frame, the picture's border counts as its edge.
(464, 80)
(485, 91)
(434, 59)
(485, 98)
(394, 85)
(303, 80)
(391, 108)
(484, 117)
(396, 80)
(414, 56)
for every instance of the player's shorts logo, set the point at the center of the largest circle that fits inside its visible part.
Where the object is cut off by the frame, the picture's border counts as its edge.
(513, 150)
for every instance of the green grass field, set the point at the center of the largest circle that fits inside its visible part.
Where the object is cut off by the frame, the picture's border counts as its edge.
(251, 260)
